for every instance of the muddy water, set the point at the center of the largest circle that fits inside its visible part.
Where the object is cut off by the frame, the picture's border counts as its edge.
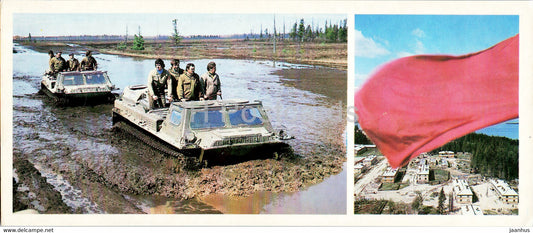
(97, 170)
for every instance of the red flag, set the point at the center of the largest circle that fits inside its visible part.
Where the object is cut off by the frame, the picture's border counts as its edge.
(416, 104)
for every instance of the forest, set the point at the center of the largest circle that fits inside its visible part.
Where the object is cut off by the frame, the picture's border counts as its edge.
(492, 156)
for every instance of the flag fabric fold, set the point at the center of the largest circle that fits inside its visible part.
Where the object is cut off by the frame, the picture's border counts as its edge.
(416, 104)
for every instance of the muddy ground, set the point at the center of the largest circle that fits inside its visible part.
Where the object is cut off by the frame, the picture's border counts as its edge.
(108, 168)
(333, 55)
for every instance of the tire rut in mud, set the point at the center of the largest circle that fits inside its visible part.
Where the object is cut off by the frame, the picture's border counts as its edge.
(38, 194)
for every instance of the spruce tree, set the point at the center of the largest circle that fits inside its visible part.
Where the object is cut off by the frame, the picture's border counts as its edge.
(442, 198)
(176, 36)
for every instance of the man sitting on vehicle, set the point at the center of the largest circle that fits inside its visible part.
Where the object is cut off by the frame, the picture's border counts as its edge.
(88, 62)
(51, 62)
(59, 64)
(189, 87)
(158, 81)
(73, 63)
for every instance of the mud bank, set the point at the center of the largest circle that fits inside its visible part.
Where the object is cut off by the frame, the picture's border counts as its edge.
(158, 174)
(324, 54)
(32, 191)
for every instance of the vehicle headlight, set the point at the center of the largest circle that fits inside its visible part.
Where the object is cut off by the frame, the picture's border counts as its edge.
(190, 137)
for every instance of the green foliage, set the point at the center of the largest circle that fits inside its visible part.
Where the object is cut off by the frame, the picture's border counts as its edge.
(360, 137)
(417, 202)
(332, 33)
(424, 210)
(475, 198)
(438, 176)
(175, 35)
(450, 204)
(301, 30)
(343, 32)
(365, 206)
(442, 198)
(121, 46)
(138, 42)
(388, 187)
(396, 208)
(293, 32)
(491, 155)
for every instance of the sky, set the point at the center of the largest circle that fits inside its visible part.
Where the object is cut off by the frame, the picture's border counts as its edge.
(160, 24)
(383, 38)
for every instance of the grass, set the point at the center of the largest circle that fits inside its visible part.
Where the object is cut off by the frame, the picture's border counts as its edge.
(439, 176)
(388, 187)
(369, 206)
(333, 55)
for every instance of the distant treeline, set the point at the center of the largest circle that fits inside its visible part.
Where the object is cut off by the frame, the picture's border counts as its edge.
(104, 38)
(360, 137)
(300, 32)
(331, 33)
(491, 155)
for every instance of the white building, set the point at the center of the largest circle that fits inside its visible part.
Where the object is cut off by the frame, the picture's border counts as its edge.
(370, 160)
(423, 173)
(462, 192)
(447, 154)
(505, 192)
(358, 169)
(389, 175)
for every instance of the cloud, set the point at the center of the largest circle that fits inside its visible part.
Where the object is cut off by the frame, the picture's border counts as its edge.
(418, 33)
(404, 54)
(360, 80)
(366, 47)
(419, 47)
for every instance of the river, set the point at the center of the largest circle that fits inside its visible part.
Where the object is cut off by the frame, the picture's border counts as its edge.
(96, 170)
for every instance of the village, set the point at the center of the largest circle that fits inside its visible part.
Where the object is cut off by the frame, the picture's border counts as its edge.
(379, 189)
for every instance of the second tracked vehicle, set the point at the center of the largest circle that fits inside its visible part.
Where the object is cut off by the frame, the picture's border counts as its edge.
(78, 87)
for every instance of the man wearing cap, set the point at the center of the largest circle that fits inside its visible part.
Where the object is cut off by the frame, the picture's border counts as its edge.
(88, 62)
(59, 63)
(51, 61)
(73, 63)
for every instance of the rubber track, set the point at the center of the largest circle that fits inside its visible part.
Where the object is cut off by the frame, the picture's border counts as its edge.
(151, 141)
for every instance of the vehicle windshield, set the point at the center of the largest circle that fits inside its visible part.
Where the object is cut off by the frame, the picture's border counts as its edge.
(73, 79)
(82, 79)
(175, 117)
(207, 119)
(97, 78)
(245, 116)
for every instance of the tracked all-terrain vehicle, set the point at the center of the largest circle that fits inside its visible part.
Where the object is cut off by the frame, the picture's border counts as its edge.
(78, 87)
(213, 131)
